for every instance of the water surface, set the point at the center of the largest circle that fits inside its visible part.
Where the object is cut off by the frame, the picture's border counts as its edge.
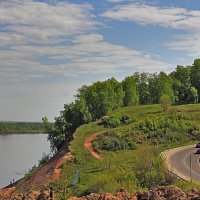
(19, 153)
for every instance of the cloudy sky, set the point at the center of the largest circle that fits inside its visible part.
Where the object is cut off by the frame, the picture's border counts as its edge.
(49, 48)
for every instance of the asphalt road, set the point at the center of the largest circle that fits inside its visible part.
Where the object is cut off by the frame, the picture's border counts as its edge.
(178, 161)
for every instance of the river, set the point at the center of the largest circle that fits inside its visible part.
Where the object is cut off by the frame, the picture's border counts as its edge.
(19, 153)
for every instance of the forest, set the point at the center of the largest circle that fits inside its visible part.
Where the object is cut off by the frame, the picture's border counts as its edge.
(182, 86)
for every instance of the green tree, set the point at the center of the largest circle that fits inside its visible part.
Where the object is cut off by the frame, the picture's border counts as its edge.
(160, 84)
(129, 87)
(165, 102)
(56, 134)
(76, 114)
(193, 95)
(118, 93)
(195, 75)
(182, 84)
(73, 115)
(102, 97)
(142, 84)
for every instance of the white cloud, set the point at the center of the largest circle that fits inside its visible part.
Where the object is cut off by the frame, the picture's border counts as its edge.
(40, 22)
(86, 54)
(169, 17)
(120, 1)
(40, 40)
(189, 43)
(116, 1)
(41, 43)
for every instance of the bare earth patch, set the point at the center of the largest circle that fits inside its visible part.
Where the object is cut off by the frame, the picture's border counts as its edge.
(88, 146)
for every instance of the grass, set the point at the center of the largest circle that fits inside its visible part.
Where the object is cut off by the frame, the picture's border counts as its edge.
(117, 170)
(186, 186)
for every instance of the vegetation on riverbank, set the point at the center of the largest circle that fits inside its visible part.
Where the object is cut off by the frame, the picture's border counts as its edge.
(138, 168)
(94, 101)
(21, 127)
(132, 133)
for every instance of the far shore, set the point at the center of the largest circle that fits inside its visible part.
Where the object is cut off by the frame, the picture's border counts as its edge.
(21, 132)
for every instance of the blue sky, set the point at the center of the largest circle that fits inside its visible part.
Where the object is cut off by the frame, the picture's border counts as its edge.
(48, 49)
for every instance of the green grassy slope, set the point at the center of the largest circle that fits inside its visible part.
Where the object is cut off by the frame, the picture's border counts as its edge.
(133, 170)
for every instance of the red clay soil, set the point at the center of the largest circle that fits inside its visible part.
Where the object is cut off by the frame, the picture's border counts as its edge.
(46, 174)
(88, 146)
(6, 192)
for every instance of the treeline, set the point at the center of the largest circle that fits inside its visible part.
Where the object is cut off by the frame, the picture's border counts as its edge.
(92, 102)
(21, 127)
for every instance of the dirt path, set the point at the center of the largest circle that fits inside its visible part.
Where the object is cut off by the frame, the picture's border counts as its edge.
(88, 146)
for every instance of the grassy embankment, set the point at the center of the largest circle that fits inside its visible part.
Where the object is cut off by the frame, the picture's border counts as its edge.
(153, 131)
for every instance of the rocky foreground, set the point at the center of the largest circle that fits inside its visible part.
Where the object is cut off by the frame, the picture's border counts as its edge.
(159, 193)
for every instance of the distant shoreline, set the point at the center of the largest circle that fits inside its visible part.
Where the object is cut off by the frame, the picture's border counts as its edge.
(22, 132)
(7, 128)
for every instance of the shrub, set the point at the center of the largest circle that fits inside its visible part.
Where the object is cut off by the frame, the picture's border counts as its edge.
(165, 102)
(110, 141)
(116, 120)
(99, 184)
(45, 158)
(149, 168)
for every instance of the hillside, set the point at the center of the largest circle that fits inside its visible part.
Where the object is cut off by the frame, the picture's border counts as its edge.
(133, 138)
(152, 130)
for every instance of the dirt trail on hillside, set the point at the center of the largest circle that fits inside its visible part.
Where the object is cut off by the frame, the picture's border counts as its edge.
(88, 146)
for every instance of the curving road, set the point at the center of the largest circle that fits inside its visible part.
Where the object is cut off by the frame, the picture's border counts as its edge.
(178, 161)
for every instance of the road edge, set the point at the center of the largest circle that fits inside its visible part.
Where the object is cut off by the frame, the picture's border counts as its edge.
(166, 155)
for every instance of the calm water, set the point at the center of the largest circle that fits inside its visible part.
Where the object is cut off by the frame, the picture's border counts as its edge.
(18, 153)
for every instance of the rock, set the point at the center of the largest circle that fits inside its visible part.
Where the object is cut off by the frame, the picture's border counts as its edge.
(158, 193)
(163, 193)
(108, 196)
(120, 195)
(123, 194)
(193, 194)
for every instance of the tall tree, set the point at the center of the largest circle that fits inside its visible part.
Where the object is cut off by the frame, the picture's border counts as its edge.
(160, 84)
(129, 87)
(76, 114)
(182, 84)
(195, 75)
(102, 97)
(56, 134)
(193, 95)
(142, 84)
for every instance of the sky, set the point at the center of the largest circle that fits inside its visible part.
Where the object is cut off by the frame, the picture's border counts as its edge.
(50, 48)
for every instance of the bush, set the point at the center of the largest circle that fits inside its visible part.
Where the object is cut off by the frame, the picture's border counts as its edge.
(165, 102)
(45, 158)
(173, 127)
(149, 168)
(116, 120)
(99, 184)
(111, 141)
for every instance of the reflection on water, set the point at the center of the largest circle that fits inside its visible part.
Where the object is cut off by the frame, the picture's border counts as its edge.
(19, 153)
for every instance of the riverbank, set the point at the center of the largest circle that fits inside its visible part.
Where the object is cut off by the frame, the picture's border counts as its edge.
(25, 132)
(21, 127)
